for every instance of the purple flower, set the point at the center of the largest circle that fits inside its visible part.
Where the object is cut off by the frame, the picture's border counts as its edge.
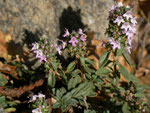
(115, 44)
(130, 40)
(42, 57)
(51, 45)
(37, 110)
(132, 28)
(58, 49)
(125, 26)
(64, 44)
(129, 33)
(127, 6)
(128, 15)
(77, 36)
(129, 49)
(34, 97)
(50, 50)
(112, 8)
(118, 20)
(35, 46)
(38, 53)
(83, 38)
(103, 44)
(80, 45)
(66, 33)
(43, 47)
(45, 52)
(120, 4)
(46, 42)
(80, 31)
(40, 95)
(133, 21)
(123, 32)
(73, 41)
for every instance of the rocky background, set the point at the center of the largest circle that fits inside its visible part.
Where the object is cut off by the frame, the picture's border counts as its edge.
(29, 19)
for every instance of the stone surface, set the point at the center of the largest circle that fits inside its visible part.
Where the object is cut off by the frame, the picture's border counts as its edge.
(33, 18)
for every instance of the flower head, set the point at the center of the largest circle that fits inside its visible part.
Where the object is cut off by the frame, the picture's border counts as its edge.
(35, 46)
(38, 53)
(130, 40)
(132, 28)
(80, 31)
(103, 44)
(58, 49)
(34, 97)
(125, 26)
(83, 38)
(133, 21)
(128, 49)
(129, 34)
(66, 33)
(42, 57)
(40, 95)
(64, 44)
(128, 15)
(115, 44)
(120, 4)
(118, 20)
(73, 41)
(37, 110)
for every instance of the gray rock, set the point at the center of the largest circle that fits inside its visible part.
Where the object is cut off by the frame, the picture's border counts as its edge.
(32, 18)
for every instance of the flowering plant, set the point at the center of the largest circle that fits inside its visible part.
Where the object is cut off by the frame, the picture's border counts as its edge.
(74, 82)
(122, 28)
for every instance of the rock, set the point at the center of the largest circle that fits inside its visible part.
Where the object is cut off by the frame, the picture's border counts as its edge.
(33, 18)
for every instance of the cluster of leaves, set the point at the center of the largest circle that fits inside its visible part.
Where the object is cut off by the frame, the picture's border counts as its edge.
(79, 86)
(5, 103)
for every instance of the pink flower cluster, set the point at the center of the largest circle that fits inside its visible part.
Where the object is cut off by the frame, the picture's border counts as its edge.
(35, 97)
(75, 39)
(44, 50)
(39, 53)
(126, 24)
(60, 47)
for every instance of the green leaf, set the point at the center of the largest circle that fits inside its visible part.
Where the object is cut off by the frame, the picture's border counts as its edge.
(82, 60)
(133, 78)
(89, 111)
(10, 109)
(87, 69)
(104, 59)
(125, 108)
(73, 82)
(51, 79)
(71, 67)
(89, 61)
(128, 58)
(2, 80)
(141, 95)
(56, 105)
(83, 89)
(124, 72)
(103, 72)
(141, 87)
(54, 65)
(75, 72)
(58, 95)
(3, 102)
(119, 52)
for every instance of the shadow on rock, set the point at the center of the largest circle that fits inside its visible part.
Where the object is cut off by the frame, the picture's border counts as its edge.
(71, 20)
